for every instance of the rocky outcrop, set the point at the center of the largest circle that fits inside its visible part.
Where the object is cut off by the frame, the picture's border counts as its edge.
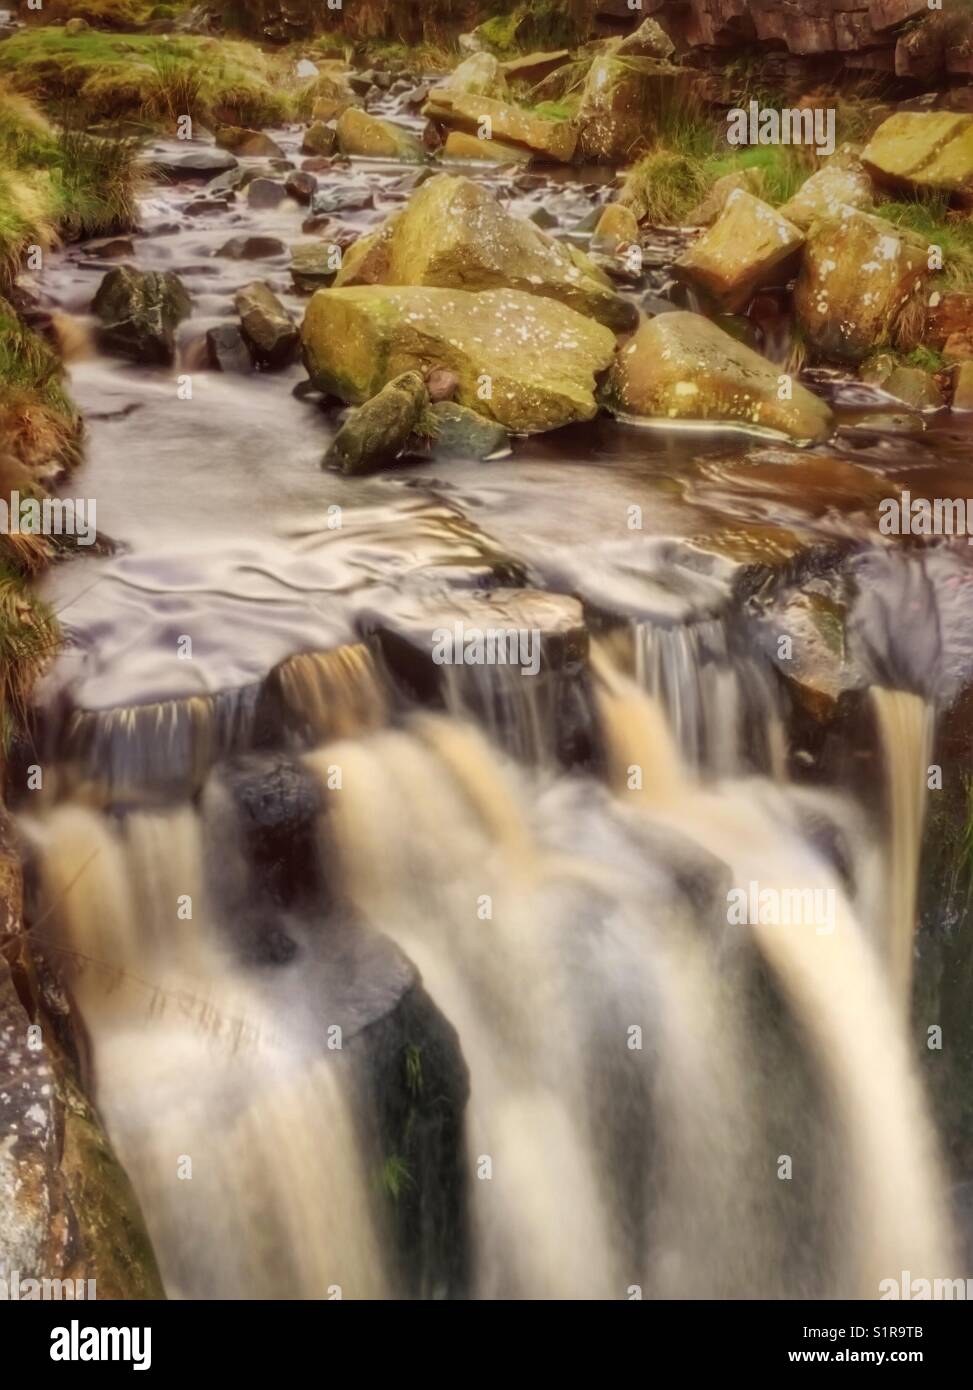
(454, 233)
(860, 275)
(528, 363)
(139, 312)
(681, 366)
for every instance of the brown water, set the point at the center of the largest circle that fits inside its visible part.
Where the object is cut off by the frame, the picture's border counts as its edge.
(552, 857)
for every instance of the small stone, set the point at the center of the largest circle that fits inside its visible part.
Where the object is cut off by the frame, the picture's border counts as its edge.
(301, 186)
(265, 193)
(252, 248)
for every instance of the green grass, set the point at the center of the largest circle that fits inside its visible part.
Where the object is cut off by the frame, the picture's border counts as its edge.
(155, 76)
(926, 358)
(929, 216)
(667, 183)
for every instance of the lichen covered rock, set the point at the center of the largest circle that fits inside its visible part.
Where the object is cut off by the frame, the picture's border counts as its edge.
(750, 245)
(527, 362)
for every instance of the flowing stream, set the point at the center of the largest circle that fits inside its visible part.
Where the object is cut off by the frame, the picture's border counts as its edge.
(401, 981)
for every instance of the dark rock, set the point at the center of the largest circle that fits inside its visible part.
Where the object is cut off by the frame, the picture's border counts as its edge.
(451, 431)
(200, 165)
(301, 186)
(346, 198)
(111, 248)
(252, 248)
(319, 139)
(139, 313)
(377, 432)
(265, 193)
(228, 351)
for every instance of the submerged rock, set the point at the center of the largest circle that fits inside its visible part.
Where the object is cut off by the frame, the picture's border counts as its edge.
(454, 233)
(859, 275)
(924, 149)
(554, 140)
(252, 248)
(527, 362)
(139, 312)
(248, 143)
(450, 431)
(266, 325)
(750, 245)
(683, 367)
(227, 350)
(361, 134)
(377, 432)
(198, 164)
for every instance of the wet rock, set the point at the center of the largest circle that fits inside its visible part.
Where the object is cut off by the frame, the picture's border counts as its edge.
(139, 312)
(252, 248)
(277, 803)
(707, 211)
(859, 275)
(301, 186)
(478, 75)
(227, 182)
(319, 139)
(459, 145)
(750, 245)
(620, 103)
(111, 248)
(963, 386)
(247, 143)
(68, 1210)
(266, 325)
(450, 431)
(200, 207)
(201, 165)
(914, 388)
(315, 265)
(554, 140)
(923, 149)
(825, 193)
(615, 227)
(681, 366)
(364, 135)
(455, 233)
(265, 193)
(342, 198)
(227, 350)
(524, 361)
(377, 432)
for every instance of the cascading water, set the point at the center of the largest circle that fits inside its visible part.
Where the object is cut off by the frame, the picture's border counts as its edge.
(639, 1067)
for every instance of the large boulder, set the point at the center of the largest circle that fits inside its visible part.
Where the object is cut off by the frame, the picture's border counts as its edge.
(534, 67)
(681, 366)
(266, 325)
(455, 234)
(361, 134)
(478, 75)
(924, 149)
(198, 165)
(750, 245)
(552, 140)
(620, 104)
(378, 431)
(527, 362)
(139, 312)
(859, 275)
(825, 193)
(649, 40)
